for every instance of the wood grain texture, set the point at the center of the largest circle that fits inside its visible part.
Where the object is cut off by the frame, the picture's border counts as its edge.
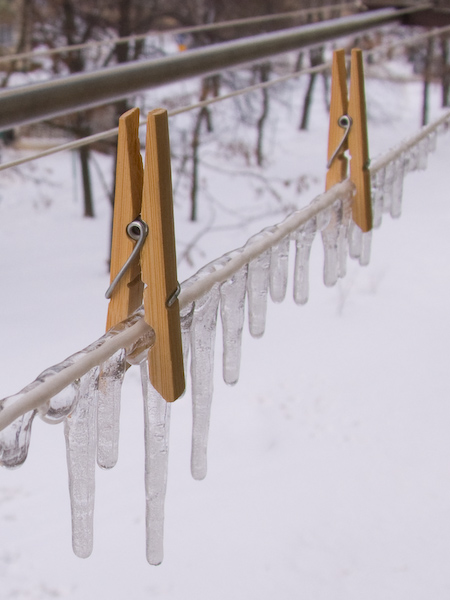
(358, 145)
(158, 261)
(127, 296)
(338, 107)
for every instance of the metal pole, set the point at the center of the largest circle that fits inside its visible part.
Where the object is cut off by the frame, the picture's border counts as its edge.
(85, 90)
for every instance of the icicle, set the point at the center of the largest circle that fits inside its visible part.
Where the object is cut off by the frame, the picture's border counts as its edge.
(377, 197)
(411, 159)
(110, 381)
(81, 433)
(15, 439)
(203, 335)
(342, 241)
(56, 409)
(323, 218)
(397, 188)
(354, 240)
(432, 141)
(186, 317)
(279, 262)
(330, 245)
(257, 288)
(422, 152)
(232, 305)
(366, 243)
(389, 178)
(156, 428)
(304, 238)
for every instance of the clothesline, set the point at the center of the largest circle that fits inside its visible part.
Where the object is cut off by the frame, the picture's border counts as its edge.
(56, 378)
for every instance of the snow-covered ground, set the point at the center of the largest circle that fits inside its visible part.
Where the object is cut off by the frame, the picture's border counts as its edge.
(329, 461)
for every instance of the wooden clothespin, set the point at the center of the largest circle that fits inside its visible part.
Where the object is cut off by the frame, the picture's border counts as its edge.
(143, 211)
(349, 114)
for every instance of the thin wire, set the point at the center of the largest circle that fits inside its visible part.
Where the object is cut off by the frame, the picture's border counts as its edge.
(180, 30)
(111, 133)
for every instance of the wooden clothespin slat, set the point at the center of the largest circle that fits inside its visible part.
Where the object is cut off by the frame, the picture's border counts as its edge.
(146, 193)
(354, 108)
(158, 262)
(127, 295)
(358, 144)
(337, 172)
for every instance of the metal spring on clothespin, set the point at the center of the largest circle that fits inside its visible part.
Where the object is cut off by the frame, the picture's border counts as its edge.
(345, 122)
(137, 230)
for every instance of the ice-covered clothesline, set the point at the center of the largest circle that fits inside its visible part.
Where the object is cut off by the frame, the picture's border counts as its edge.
(56, 378)
(90, 404)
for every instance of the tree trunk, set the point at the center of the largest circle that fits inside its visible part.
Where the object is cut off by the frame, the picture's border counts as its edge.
(86, 177)
(426, 81)
(445, 72)
(315, 59)
(264, 76)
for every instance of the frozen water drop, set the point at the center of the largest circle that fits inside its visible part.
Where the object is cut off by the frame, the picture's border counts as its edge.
(56, 409)
(15, 438)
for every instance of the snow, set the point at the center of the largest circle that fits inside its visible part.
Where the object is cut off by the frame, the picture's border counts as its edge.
(328, 462)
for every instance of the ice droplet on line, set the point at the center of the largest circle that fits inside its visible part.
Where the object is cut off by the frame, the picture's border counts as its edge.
(257, 289)
(232, 312)
(279, 263)
(15, 439)
(156, 434)
(80, 429)
(110, 382)
(304, 238)
(203, 335)
(56, 409)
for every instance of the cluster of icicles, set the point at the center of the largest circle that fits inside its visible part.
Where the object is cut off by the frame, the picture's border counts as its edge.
(90, 406)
